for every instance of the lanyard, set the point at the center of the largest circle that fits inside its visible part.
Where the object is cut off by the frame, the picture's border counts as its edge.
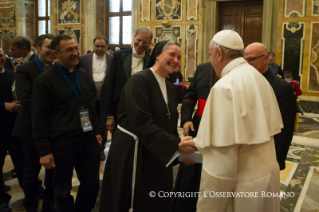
(39, 64)
(77, 94)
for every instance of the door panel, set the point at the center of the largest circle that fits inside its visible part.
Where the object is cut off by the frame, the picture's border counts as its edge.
(245, 17)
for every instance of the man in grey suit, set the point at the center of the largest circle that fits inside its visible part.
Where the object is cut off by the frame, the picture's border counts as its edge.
(126, 63)
(97, 65)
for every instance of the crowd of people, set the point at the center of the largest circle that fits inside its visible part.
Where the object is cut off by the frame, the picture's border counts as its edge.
(57, 107)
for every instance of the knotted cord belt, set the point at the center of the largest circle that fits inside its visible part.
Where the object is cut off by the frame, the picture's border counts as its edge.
(134, 162)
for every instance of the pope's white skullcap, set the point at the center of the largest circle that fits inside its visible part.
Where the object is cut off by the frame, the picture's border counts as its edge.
(229, 39)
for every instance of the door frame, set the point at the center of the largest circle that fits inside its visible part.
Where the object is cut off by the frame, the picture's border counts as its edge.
(210, 23)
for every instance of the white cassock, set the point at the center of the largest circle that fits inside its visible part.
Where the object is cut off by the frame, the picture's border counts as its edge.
(235, 137)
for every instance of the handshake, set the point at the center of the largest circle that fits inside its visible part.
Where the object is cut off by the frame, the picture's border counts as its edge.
(187, 145)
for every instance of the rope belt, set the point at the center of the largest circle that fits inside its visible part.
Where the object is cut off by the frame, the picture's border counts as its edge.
(134, 162)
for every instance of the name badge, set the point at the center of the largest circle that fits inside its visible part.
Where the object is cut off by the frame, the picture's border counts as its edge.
(85, 120)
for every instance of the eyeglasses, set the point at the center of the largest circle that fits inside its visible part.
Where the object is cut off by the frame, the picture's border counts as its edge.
(253, 58)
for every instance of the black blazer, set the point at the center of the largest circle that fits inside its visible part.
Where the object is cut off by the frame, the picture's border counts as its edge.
(85, 62)
(119, 73)
(287, 105)
(6, 118)
(25, 76)
(8, 64)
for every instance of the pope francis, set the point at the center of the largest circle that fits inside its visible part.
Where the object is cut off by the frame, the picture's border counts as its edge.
(240, 171)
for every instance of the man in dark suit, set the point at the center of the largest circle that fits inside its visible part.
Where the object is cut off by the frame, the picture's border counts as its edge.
(97, 65)
(256, 55)
(25, 76)
(125, 63)
(21, 49)
(8, 112)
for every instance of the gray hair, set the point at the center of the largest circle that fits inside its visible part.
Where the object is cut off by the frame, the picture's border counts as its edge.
(22, 42)
(230, 53)
(170, 42)
(144, 29)
(2, 50)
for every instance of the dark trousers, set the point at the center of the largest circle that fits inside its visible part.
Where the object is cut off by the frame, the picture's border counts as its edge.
(13, 145)
(30, 179)
(103, 129)
(84, 156)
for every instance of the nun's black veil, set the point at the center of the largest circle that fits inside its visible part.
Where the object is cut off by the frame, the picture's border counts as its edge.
(156, 51)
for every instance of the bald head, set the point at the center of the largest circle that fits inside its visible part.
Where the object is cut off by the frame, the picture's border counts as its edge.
(256, 55)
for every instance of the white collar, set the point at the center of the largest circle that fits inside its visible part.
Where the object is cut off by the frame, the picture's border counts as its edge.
(232, 64)
(135, 54)
(99, 58)
(2, 71)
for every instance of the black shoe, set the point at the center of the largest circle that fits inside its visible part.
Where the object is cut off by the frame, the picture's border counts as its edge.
(7, 188)
(51, 207)
(6, 207)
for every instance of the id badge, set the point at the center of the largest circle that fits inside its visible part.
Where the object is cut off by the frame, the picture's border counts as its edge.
(85, 120)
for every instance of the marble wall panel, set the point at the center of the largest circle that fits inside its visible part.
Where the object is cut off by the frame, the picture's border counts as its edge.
(168, 10)
(315, 7)
(76, 34)
(171, 33)
(192, 10)
(30, 25)
(294, 6)
(190, 49)
(69, 12)
(100, 18)
(5, 39)
(145, 10)
(7, 15)
(313, 80)
(293, 41)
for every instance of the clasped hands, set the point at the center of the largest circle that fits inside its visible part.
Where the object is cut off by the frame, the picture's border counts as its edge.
(187, 145)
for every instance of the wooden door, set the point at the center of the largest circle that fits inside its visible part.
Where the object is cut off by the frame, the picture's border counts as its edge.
(245, 17)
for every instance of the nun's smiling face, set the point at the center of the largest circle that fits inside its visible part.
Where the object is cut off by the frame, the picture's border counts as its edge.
(170, 58)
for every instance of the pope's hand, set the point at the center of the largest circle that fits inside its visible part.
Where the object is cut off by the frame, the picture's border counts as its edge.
(186, 146)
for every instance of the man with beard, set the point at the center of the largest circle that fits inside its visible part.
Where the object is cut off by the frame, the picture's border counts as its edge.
(25, 76)
(67, 135)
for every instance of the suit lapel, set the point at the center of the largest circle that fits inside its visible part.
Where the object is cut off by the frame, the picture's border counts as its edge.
(127, 62)
(90, 67)
(146, 61)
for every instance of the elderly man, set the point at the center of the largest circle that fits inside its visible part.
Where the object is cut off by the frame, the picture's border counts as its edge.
(126, 63)
(256, 55)
(67, 133)
(25, 76)
(8, 114)
(97, 64)
(235, 135)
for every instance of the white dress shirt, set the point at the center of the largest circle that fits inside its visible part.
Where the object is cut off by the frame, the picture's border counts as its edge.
(137, 61)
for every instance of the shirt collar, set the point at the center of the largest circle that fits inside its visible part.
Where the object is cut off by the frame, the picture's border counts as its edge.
(2, 71)
(232, 64)
(27, 58)
(137, 55)
(99, 58)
